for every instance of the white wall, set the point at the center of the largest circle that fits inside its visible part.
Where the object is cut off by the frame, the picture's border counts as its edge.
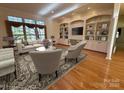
(4, 12)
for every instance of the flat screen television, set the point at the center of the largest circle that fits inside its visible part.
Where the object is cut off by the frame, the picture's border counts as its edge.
(77, 31)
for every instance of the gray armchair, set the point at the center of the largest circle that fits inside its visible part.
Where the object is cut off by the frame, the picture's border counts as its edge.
(73, 41)
(7, 61)
(46, 62)
(74, 51)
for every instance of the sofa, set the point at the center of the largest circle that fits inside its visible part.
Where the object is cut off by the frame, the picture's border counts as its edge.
(32, 45)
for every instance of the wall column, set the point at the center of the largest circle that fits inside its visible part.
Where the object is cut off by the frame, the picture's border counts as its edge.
(112, 33)
(84, 28)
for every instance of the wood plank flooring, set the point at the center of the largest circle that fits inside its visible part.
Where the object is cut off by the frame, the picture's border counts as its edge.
(95, 72)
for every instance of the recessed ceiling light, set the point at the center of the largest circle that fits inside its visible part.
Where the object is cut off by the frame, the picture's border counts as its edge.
(88, 8)
(49, 8)
(67, 10)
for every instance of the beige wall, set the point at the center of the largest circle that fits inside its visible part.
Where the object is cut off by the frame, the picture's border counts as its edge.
(120, 40)
(4, 12)
(52, 28)
(121, 21)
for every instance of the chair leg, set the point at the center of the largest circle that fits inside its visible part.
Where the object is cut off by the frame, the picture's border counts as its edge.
(56, 72)
(65, 60)
(7, 78)
(20, 54)
(76, 60)
(15, 74)
(39, 77)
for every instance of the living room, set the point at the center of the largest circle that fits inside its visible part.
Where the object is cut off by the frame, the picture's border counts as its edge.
(58, 46)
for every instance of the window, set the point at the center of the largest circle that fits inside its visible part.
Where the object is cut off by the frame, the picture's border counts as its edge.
(30, 21)
(41, 33)
(26, 32)
(15, 19)
(40, 22)
(30, 34)
(18, 34)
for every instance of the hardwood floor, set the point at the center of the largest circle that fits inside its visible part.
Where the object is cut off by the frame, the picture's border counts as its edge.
(95, 72)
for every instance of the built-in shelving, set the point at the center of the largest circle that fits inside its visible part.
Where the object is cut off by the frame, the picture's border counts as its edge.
(64, 31)
(97, 30)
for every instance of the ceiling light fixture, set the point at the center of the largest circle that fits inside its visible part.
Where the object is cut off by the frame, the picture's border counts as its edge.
(48, 8)
(67, 10)
(88, 8)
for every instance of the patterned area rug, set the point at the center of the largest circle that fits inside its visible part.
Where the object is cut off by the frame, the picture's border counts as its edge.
(27, 76)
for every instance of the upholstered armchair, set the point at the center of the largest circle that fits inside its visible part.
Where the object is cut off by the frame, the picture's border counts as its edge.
(73, 42)
(46, 62)
(7, 61)
(74, 51)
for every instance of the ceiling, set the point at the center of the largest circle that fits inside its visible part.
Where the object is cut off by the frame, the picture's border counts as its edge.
(55, 10)
(43, 9)
(91, 7)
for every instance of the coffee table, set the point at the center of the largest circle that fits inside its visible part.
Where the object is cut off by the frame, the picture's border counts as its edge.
(44, 49)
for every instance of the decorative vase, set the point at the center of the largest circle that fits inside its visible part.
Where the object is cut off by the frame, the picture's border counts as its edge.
(46, 46)
(46, 43)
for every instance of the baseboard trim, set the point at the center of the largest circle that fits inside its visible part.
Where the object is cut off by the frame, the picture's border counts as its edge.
(94, 51)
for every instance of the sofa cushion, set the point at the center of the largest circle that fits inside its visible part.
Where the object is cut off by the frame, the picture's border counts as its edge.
(30, 43)
(22, 45)
(39, 41)
(34, 42)
(28, 47)
(37, 45)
